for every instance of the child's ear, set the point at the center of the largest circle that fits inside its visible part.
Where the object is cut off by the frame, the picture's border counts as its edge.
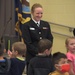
(16, 52)
(46, 51)
(56, 66)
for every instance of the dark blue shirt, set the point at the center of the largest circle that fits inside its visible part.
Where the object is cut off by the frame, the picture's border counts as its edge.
(17, 66)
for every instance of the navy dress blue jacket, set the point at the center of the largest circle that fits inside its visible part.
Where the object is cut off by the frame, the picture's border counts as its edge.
(31, 34)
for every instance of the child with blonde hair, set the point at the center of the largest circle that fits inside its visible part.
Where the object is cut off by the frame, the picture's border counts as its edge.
(17, 60)
(70, 45)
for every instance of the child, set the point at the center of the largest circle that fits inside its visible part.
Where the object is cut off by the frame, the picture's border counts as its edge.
(61, 64)
(18, 62)
(41, 64)
(4, 62)
(70, 45)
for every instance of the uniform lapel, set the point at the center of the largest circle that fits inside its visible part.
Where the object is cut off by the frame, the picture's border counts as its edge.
(33, 24)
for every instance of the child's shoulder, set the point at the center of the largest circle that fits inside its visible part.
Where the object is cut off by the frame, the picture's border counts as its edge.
(17, 62)
(8, 63)
(57, 73)
(40, 58)
(6, 66)
(17, 59)
(53, 73)
(69, 54)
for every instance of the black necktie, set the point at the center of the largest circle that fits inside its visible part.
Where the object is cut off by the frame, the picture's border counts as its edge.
(37, 24)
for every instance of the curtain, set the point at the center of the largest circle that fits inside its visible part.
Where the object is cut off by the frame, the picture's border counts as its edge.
(7, 21)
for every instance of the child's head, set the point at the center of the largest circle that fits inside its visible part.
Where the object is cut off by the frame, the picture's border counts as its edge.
(61, 62)
(18, 49)
(70, 44)
(45, 46)
(1, 49)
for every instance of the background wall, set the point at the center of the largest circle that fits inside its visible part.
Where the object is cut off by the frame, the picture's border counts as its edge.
(60, 12)
(7, 22)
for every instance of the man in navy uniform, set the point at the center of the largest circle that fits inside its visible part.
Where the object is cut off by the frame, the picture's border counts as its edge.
(34, 30)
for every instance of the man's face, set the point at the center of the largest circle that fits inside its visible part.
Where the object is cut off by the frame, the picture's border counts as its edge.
(37, 14)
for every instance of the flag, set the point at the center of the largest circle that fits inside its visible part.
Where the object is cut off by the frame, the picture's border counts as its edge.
(22, 15)
(18, 16)
(26, 10)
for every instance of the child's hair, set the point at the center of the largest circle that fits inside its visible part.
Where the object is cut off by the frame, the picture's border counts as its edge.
(1, 49)
(67, 40)
(36, 5)
(57, 56)
(20, 47)
(43, 45)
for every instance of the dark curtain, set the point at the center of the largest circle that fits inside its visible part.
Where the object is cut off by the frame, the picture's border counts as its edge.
(7, 21)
